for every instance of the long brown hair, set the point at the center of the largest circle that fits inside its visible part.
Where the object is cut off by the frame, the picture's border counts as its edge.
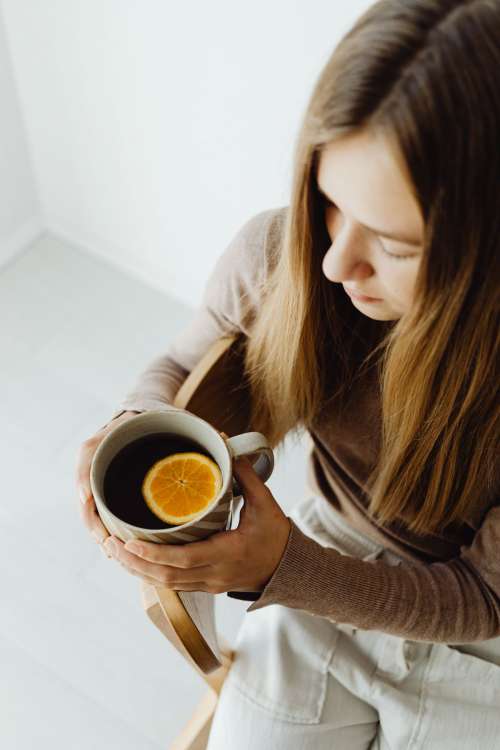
(425, 72)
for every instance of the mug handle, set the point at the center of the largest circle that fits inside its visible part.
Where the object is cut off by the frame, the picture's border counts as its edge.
(247, 444)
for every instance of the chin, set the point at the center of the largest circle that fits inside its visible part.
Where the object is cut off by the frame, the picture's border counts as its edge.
(384, 316)
(375, 314)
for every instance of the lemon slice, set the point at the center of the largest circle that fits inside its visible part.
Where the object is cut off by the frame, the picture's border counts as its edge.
(179, 487)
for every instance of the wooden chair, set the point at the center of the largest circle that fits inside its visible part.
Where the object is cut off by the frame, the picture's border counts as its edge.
(216, 390)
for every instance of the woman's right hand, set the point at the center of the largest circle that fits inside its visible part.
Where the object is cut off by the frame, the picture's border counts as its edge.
(89, 513)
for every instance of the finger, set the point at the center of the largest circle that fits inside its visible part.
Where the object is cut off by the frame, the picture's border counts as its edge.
(196, 586)
(93, 521)
(88, 508)
(248, 477)
(192, 555)
(192, 586)
(84, 462)
(161, 573)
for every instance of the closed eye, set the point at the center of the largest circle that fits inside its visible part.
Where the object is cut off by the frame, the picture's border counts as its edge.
(328, 204)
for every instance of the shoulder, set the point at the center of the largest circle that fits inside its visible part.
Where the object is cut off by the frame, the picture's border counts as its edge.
(255, 245)
(264, 225)
(241, 270)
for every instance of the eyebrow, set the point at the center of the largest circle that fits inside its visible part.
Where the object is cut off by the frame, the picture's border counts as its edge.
(406, 240)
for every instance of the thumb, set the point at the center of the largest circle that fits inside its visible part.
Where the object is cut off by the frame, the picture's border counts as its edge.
(253, 488)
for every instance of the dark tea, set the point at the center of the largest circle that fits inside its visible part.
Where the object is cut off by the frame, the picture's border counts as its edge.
(125, 474)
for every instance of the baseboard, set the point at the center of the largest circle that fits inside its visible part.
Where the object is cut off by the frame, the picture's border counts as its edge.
(17, 242)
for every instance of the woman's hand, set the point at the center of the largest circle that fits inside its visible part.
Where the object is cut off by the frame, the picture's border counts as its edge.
(242, 559)
(89, 514)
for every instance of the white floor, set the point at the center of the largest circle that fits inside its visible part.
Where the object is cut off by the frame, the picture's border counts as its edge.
(74, 335)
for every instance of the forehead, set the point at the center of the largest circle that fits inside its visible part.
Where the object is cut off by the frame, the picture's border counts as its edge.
(368, 181)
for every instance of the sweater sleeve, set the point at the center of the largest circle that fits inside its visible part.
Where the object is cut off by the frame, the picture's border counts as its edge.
(456, 601)
(236, 278)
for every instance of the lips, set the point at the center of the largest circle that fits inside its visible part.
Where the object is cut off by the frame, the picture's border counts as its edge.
(362, 297)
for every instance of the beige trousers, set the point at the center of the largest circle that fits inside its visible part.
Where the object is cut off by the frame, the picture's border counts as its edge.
(302, 682)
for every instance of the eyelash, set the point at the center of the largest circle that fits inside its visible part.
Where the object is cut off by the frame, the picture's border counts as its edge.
(396, 257)
(328, 203)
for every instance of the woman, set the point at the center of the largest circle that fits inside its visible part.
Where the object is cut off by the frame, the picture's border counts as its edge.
(388, 575)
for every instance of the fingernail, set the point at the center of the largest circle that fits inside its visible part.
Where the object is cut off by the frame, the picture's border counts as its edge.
(83, 495)
(103, 550)
(110, 546)
(99, 539)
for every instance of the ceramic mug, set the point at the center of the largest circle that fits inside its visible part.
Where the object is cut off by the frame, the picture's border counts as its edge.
(217, 516)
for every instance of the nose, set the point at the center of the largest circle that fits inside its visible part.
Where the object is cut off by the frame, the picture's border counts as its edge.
(347, 258)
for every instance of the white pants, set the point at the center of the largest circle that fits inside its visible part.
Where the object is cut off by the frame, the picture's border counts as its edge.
(300, 681)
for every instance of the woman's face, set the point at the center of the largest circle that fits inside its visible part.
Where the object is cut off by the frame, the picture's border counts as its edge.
(374, 223)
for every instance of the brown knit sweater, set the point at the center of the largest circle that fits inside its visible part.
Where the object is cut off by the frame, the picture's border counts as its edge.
(448, 586)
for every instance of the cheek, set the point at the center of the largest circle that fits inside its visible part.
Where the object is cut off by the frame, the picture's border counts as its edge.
(400, 282)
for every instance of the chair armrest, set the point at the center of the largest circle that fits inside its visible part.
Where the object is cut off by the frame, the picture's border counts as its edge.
(217, 388)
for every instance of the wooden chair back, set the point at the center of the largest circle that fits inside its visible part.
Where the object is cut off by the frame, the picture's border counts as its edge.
(216, 390)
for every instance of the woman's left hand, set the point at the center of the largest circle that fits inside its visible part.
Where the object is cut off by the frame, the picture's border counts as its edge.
(242, 559)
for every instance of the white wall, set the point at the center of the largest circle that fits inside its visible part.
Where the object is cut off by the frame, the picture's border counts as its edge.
(20, 221)
(157, 128)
